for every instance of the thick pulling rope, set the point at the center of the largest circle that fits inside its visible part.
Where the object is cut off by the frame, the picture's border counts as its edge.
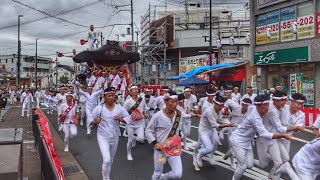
(300, 140)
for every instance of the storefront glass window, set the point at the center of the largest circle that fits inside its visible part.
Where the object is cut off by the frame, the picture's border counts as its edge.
(305, 9)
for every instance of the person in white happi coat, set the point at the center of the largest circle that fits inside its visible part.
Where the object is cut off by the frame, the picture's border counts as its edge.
(82, 103)
(37, 94)
(95, 80)
(92, 38)
(157, 132)
(184, 117)
(51, 102)
(12, 95)
(46, 101)
(190, 102)
(316, 127)
(26, 99)
(108, 117)
(158, 103)
(244, 134)
(69, 115)
(151, 98)
(43, 93)
(74, 94)
(113, 79)
(91, 102)
(236, 96)
(306, 161)
(238, 114)
(207, 128)
(229, 105)
(249, 94)
(60, 99)
(136, 107)
(290, 116)
(122, 87)
(269, 148)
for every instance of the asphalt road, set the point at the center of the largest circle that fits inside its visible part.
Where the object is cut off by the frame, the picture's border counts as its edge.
(86, 150)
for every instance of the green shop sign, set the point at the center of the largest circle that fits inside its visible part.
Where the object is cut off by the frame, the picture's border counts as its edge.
(300, 54)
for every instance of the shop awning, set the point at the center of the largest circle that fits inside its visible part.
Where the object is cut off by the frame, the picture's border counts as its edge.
(194, 81)
(207, 69)
(229, 74)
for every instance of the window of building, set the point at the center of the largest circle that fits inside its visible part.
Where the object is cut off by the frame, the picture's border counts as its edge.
(6, 60)
(12, 61)
(305, 9)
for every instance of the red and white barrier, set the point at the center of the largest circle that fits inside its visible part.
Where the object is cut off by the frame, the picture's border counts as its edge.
(311, 115)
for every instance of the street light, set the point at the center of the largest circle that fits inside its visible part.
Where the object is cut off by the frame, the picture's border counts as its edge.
(37, 63)
(19, 53)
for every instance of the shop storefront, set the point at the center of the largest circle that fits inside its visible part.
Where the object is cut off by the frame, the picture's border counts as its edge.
(292, 68)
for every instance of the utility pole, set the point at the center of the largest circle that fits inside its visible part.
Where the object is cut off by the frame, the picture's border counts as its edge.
(132, 40)
(19, 54)
(57, 69)
(210, 34)
(36, 63)
(165, 46)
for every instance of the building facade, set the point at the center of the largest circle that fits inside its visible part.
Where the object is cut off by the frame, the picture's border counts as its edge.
(27, 69)
(168, 36)
(285, 41)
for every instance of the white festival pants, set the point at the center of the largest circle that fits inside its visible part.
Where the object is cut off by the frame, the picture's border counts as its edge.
(174, 162)
(25, 107)
(108, 148)
(83, 113)
(70, 131)
(134, 129)
(305, 176)
(245, 161)
(209, 144)
(38, 102)
(186, 130)
(88, 116)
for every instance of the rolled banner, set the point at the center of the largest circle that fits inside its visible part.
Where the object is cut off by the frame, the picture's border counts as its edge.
(300, 140)
(172, 146)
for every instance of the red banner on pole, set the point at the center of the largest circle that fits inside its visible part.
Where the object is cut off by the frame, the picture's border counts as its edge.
(318, 25)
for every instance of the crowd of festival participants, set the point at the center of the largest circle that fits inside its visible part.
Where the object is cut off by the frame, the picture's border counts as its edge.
(266, 122)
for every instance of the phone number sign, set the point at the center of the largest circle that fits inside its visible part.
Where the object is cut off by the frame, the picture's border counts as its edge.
(305, 27)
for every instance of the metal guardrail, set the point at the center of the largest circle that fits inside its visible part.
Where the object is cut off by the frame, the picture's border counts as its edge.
(48, 170)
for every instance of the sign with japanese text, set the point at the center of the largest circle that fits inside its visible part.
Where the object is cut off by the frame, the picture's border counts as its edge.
(299, 82)
(308, 91)
(292, 55)
(287, 17)
(261, 36)
(305, 27)
(293, 83)
(189, 63)
(273, 24)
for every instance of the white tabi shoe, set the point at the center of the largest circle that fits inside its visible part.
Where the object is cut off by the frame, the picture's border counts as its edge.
(199, 161)
(196, 167)
(66, 148)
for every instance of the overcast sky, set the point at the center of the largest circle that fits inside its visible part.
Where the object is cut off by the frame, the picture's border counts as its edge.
(60, 36)
(56, 35)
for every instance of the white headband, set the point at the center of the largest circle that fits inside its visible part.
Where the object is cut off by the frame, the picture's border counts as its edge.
(264, 102)
(167, 96)
(279, 98)
(188, 89)
(246, 103)
(212, 94)
(301, 101)
(220, 103)
(164, 89)
(109, 92)
(132, 87)
(228, 91)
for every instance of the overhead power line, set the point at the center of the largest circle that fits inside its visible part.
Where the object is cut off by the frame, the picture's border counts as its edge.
(53, 16)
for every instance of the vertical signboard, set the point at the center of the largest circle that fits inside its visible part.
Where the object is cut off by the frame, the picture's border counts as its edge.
(261, 37)
(293, 83)
(287, 17)
(305, 26)
(299, 83)
(318, 24)
(273, 24)
(308, 91)
(182, 66)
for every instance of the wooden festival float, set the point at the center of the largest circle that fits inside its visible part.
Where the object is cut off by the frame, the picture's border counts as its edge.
(109, 56)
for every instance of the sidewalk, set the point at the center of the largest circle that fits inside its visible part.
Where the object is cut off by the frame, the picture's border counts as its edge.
(31, 161)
